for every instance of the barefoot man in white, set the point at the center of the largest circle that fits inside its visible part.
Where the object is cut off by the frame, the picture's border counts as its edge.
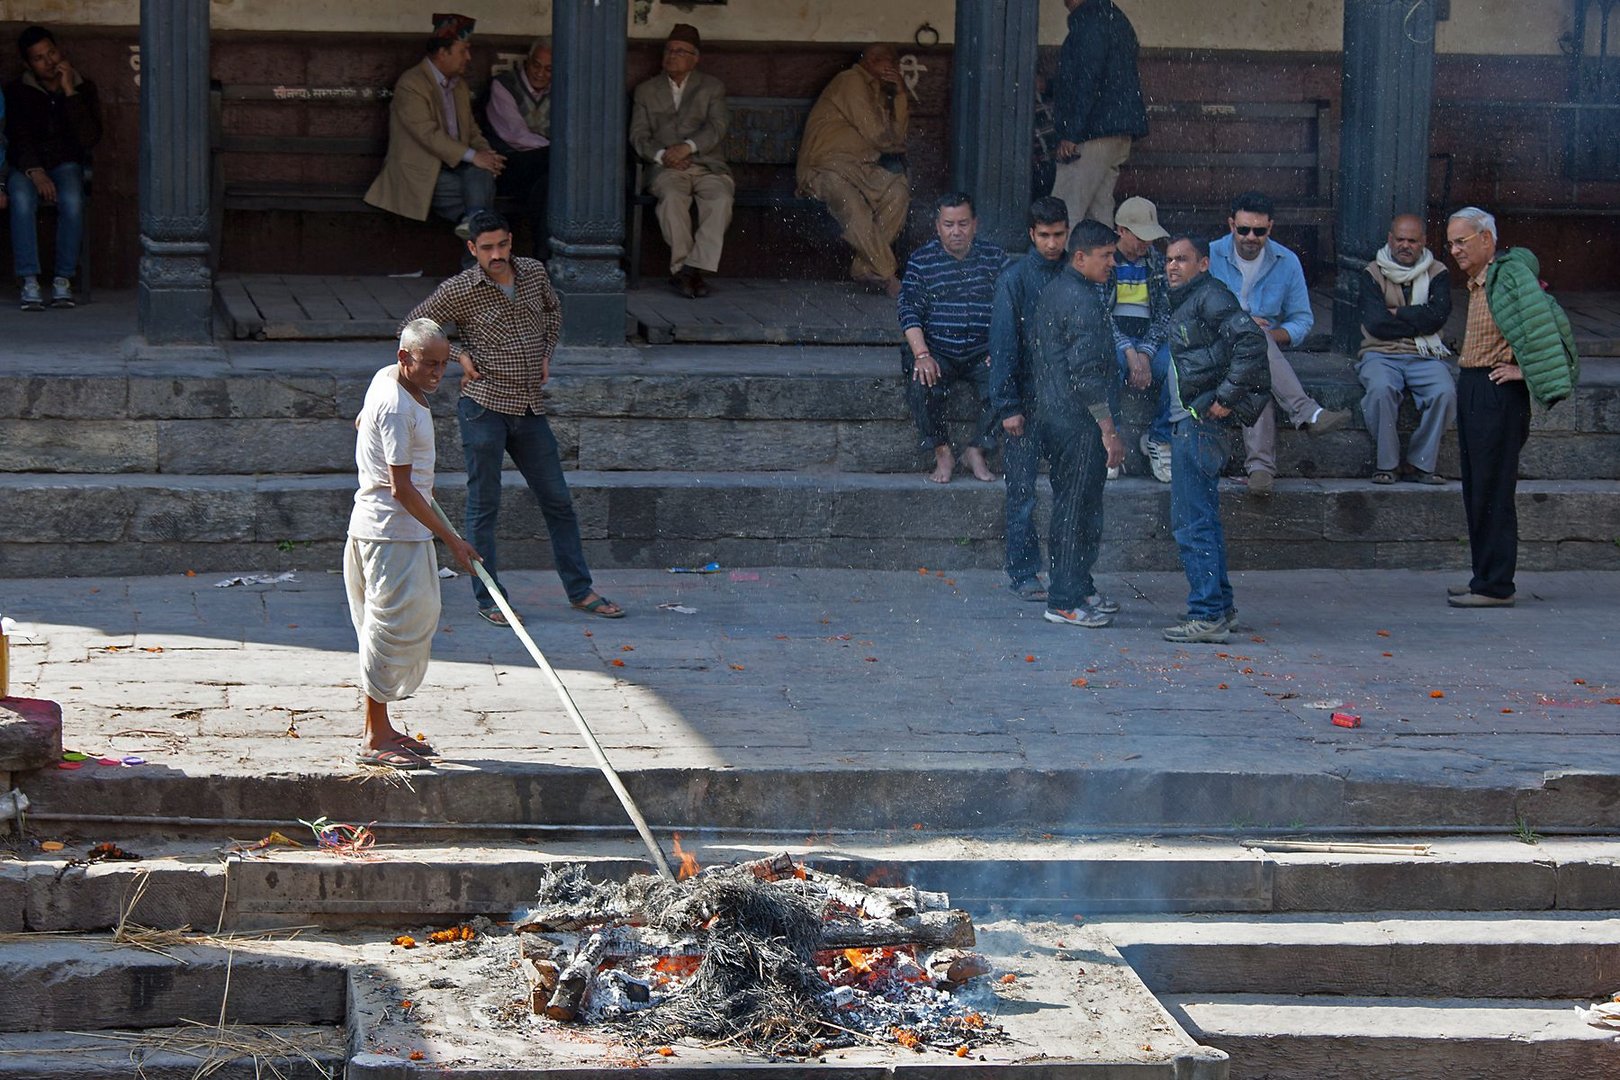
(390, 569)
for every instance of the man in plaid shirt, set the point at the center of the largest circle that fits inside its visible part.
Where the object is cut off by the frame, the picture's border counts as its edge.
(509, 319)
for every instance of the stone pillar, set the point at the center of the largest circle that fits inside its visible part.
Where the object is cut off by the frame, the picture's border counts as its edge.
(1383, 137)
(176, 293)
(993, 113)
(589, 144)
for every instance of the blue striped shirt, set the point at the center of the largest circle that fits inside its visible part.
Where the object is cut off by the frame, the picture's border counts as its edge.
(950, 299)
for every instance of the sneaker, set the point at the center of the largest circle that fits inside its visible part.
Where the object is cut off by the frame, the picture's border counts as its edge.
(1090, 619)
(1158, 456)
(1114, 472)
(1260, 484)
(1105, 604)
(1327, 420)
(32, 298)
(1474, 599)
(1230, 618)
(61, 292)
(1213, 631)
(463, 229)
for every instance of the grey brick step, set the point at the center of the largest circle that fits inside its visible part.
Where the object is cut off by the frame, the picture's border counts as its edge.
(89, 525)
(460, 873)
(1401, 954)
(1353, 1038)
(834, 416)
(77, 984)
(86, 1054)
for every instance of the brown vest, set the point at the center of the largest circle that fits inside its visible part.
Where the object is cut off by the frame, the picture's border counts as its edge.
(1394, 297)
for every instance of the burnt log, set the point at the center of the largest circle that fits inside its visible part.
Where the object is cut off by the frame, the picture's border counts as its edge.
(574, 979)
(879, 903)
(934, 929)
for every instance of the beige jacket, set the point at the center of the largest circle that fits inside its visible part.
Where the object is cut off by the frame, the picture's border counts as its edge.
(418, 144)
(655, 122)
(854, 120)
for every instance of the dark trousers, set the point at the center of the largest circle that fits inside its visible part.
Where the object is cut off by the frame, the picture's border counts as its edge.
(927, 403)
(527, 176)
(1493, 421)
(1020, 464)
(1078, 465)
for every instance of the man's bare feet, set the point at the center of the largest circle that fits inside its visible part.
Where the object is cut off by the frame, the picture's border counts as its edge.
(944, 465)
(892, 287)
(973, 458)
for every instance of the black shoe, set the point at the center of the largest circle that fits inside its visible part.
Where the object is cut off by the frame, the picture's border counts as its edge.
(682, 283)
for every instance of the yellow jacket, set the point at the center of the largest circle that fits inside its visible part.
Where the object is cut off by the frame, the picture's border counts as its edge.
(418, 143)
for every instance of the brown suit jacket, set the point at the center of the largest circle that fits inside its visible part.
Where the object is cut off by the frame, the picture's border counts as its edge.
(418, 144)
(655, 123)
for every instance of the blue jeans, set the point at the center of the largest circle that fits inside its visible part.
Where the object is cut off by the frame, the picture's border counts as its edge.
(1020, 463)
(25, 201)
(1198, 450)
(1159, 365)
(487, 435)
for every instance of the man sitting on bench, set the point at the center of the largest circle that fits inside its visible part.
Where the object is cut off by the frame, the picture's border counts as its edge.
(437, 157)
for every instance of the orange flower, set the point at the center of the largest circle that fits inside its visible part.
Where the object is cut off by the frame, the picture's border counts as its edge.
(1580, 682)
(407, 1003)
(1008, 979)
(1222, 686)
(627, 648)
(917, 826)
(1030, 659)
(1611, 701)
(737, 667)
(1388, 654)
(666, 1051)
(1383, 633)
(962, 1051)
(1437, 693)
(1081, 682)
(191, 573)
(1506, 711)
(417, 1055)
(405, 941)
(618, 663)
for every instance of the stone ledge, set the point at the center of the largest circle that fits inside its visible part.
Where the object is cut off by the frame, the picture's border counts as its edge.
(30, 734)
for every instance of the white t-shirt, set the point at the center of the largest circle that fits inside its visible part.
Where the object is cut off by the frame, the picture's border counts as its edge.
(393, 430)
(1250, 269)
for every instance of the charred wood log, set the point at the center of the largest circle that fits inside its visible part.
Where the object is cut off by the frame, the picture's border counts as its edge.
(575, 978)
(934, 929)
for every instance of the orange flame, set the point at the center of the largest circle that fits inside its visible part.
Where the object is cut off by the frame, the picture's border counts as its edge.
(857, 961)
(689, 863)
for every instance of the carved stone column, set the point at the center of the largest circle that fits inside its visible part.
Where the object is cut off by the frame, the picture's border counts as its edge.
(176, 288)
(589, 141)
(1383, 137)
(993, 113)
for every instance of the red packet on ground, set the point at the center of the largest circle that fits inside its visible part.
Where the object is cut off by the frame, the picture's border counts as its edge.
(1344, 719)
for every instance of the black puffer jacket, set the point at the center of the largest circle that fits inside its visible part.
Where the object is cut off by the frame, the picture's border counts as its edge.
(1218, 350)
(1098, 90)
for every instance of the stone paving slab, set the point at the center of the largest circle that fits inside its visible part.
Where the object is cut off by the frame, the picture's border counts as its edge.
(814, 699)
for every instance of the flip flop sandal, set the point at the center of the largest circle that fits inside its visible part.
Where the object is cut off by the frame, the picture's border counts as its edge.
(595, 606)
(391, 758)
(1383, 477)
(495, 616)
(415, 746)
(1032, 591)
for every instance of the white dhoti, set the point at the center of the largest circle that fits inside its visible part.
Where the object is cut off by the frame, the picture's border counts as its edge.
(393, 588)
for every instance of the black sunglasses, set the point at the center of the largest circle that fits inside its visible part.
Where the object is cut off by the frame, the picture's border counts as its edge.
(1251, 230)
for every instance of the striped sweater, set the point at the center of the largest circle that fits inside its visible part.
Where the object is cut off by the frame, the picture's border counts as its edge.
(950, 299)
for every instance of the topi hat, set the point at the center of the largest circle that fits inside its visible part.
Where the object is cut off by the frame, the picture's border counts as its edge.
(451, 27)
(1141, 217)
(685, 32)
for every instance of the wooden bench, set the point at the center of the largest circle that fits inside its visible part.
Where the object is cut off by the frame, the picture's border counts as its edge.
(762, 148)
(1314, 208)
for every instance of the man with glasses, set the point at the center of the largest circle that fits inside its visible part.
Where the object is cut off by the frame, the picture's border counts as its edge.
(517, 119)
(678, 120)
(1517, 345)
(1269, 283)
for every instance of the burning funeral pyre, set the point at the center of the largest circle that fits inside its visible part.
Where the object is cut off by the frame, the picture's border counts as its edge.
(768, 956)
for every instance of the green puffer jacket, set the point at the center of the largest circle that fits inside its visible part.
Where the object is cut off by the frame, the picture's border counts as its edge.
(1533, 324)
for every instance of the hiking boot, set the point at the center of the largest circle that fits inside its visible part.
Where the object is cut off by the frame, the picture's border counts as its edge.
(1327, 420)
(61, 292)
(1260, 483)
(1080, 616)
(1107, 605)
(1213, 631)
(32, 298)
(1158, 456)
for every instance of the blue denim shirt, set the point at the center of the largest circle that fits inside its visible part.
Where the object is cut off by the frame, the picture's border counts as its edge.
(1279, 295)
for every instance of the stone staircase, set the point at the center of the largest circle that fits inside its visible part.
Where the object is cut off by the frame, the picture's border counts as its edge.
(767, 456)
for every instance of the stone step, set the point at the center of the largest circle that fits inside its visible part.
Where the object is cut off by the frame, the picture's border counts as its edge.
(142, 523)
(79, 984)
(1353, 1038)
(176, 1053)
(1541, 954)
(1569, 884)
(840, 411)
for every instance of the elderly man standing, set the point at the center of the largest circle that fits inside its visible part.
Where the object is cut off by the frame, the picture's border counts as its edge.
(852, 159)
(945, 304)
(509, 320)
(1098, 102)
(1518, 345)
(390, 571)
(1405, 300)
(677, 123)
(1269, 282)
(517, 120)
(437, 158)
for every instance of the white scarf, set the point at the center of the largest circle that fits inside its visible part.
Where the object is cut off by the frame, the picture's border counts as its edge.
(1416, 276)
